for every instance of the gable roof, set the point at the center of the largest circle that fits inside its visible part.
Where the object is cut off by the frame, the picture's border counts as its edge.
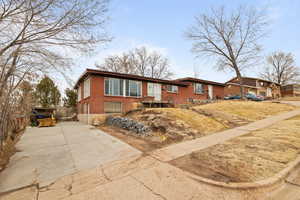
(259, 79)
(197, 80)
(126, 76)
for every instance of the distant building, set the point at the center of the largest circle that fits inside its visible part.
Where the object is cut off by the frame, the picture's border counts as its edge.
(255, 86)
(290, 90)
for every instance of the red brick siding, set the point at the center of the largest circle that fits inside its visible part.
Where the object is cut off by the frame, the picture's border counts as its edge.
(235, 90)
(97, 97)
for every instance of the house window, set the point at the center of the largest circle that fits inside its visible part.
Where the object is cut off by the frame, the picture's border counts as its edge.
(121, 87)
(112, 107)
(150, 89)
(198, 88)
(79, 93)
(133, 88)
(114, 87)
(172, 88)
(86, 88)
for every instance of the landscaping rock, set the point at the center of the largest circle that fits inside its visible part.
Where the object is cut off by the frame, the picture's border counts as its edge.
(129, 124)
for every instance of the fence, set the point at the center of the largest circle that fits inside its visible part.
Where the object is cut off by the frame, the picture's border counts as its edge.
(9, 136)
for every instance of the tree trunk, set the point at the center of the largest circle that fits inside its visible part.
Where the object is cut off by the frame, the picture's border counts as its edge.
(241, 82)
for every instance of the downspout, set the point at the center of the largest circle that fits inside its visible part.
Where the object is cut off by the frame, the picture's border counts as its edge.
(88, 113)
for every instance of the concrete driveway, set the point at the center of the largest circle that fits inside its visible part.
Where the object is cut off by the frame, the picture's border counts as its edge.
(45, 154)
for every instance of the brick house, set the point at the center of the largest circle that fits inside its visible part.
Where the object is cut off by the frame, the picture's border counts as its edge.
(101, 92)
(255, 86)
(290, 90)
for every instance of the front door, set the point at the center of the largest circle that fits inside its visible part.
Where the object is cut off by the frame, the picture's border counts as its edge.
(154, 90)
(210, 92)
(269, 92)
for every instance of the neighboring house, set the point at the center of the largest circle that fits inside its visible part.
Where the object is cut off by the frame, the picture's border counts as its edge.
(290, 90)
(255, 86)
(101, 92)
(207, 89)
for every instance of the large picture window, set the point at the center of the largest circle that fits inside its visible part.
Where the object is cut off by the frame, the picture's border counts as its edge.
(121, 87)
(114, 87)
(198, 88)
(133, 88)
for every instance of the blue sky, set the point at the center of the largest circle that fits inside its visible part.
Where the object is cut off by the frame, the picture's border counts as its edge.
(160, 24)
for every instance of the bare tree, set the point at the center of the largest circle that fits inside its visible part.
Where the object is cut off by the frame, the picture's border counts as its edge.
(33, 35)
(139, 61)
(118, 63)
(281, 68)
(231, 38)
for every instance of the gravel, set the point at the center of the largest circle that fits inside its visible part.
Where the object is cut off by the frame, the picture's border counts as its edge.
(129, 124)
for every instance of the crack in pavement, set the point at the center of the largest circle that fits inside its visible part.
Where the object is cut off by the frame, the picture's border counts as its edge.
(105, 176)
(153, 192)
(295, 184)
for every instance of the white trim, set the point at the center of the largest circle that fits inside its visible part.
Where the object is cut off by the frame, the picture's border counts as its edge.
(86, 88)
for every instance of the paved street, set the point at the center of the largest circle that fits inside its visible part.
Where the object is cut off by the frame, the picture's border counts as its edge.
(46, 154)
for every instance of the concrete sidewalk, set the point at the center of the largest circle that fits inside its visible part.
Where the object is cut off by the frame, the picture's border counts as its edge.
(46, 154)
(137, 178)
(177, 150)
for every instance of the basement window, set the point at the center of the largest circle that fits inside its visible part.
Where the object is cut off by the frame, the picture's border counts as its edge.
(112, 107)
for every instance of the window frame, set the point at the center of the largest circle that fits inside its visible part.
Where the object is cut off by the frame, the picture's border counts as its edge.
(111, 87)
(79, 96)
(195, 88)
(138, 88)
(105, 106)
(124, 88)
(86, 88)
(172, 89)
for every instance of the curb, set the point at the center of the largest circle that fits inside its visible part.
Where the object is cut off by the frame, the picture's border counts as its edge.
(280, 176)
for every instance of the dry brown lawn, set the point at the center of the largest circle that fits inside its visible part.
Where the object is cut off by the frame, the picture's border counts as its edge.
(253, 157)
(194, 120)
(290, 98)
(247, 110)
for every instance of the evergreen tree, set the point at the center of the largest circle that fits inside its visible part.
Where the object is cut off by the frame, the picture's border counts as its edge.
(70, 100)
(47, 93)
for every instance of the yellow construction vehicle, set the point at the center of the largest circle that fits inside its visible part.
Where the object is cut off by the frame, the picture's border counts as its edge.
(43, 117)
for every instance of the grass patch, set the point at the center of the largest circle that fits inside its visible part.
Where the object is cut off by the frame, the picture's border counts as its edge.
(196, 121)
(248, 110)
(252, 157)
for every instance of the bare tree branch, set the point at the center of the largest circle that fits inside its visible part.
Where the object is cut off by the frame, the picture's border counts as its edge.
(230, 38)
(139, 61)
(281, 68)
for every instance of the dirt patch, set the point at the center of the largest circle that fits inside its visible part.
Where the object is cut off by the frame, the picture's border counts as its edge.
(252, 157)
(185, 121)
(246, 110)
(141, 143)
